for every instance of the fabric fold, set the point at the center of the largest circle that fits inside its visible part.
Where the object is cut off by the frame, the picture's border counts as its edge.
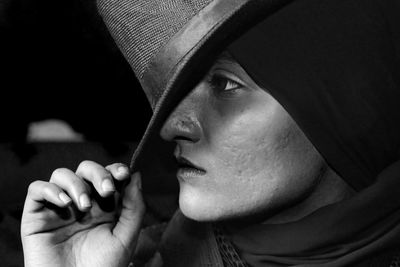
(335, 67)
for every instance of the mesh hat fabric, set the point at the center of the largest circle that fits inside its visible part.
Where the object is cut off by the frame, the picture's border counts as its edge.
(142, 28)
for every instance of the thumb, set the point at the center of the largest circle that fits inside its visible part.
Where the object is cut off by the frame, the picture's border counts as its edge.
(128, 225)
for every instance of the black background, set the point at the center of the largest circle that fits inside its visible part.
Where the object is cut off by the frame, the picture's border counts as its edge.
(57, 60)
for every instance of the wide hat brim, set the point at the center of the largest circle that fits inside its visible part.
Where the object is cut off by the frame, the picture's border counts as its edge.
(182, 62)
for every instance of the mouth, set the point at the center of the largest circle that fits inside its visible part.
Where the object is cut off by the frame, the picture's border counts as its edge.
(187, 169)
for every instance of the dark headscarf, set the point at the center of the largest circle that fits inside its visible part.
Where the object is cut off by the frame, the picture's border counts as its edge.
(334, 65)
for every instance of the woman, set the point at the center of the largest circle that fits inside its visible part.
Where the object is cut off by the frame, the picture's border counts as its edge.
(286, 134)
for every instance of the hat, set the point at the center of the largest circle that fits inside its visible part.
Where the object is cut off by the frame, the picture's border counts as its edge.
(170, 43)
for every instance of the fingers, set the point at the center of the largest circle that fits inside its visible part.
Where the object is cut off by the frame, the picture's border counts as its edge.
(66, 186)
(101, 179)
(133, 209)
(40, 191)
(74, 185)
(119, 171)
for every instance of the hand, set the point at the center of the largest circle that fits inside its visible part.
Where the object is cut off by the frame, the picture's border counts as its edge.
(81, 219)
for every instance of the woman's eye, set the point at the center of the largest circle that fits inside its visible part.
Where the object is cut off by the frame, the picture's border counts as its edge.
(231, 85)
(224, 84)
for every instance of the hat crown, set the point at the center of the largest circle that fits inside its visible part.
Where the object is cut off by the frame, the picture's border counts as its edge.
(142, 28)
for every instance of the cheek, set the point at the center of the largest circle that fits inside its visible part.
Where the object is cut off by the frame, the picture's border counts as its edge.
(263, 156)
(250, 141)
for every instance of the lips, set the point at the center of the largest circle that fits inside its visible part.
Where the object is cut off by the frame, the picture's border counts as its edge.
(187, 169)
(185, 163)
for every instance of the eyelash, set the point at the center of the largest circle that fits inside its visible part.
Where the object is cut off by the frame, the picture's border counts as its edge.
(215, 82)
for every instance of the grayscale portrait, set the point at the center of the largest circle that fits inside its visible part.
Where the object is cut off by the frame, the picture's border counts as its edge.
(279, 123)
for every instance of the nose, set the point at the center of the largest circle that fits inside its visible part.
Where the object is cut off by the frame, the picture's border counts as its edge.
(183, 124)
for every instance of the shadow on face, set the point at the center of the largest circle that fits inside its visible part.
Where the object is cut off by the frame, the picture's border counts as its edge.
(239, 151)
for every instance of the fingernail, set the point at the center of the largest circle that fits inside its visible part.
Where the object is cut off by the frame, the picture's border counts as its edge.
(85, 201)
(64, 198)
(107, 186)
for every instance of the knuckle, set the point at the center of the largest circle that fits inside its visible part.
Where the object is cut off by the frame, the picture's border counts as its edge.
(78, 184)
(85, 164)
(59, 172)
(48, 189)
(101, 174)
(33, 186)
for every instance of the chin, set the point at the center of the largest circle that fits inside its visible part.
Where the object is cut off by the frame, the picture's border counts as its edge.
(202, 207)
(194, 210)
(197, 207)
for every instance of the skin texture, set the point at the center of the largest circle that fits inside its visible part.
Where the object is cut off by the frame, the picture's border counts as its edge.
(58, 229)
(256, 159)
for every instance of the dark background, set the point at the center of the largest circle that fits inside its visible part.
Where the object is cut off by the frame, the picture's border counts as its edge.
(57, 61)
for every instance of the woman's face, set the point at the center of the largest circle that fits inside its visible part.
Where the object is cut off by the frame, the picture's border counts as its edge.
(239, 151)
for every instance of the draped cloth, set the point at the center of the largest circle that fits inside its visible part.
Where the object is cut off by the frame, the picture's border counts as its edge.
(334, 65)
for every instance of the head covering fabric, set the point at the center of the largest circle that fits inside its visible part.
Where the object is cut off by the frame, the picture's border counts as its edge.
(335, 67)
(340, 234)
